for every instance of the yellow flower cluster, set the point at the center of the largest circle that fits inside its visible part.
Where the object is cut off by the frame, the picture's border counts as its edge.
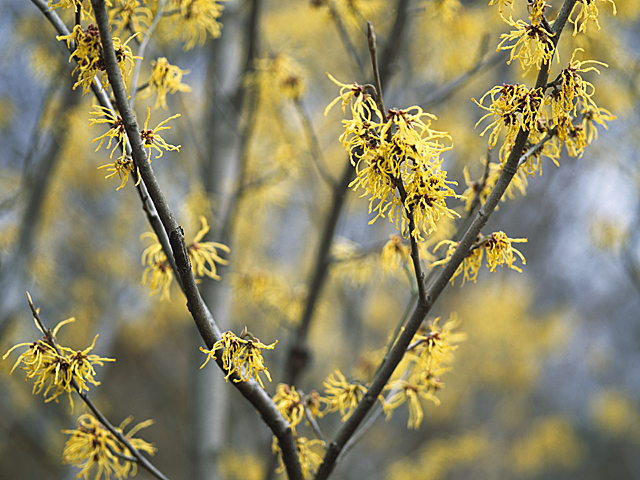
(165, 79)
(84, 6)
(588, 12)
(565, 115)
(571, 98)
(278, 76)
(341, 395)
(58, 370)
(128, 15)
(241, 355)
(397, 160)
(429, 355)
(196, 18)
(483, 188)
(512, 107)
(533, 44)
(310, 459)
(88, 55)
(293, 405)
(499, 252)
(93, 448)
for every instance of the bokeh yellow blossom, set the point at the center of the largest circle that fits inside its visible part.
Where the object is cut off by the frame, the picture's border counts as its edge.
(165, 79)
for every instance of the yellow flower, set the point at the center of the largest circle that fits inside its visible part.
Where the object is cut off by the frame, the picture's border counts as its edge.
(533, 44)
(203, 255)
(58, 369)
(354, 95)
(84, 6)
(151, 139)
(588, 11)
(241, 355)
(92, 447)
(513, 107)
(571, 91)
(312, 402)
(591, 116)
(430, 354)
(468, 268)
(395, 254)
(519, 181)
(128, 15)
(289, 403)
(123, 167)
(197, 18)
(342, 396)
(88, 54)
(116, 127)
(309, 459)
(157, 265)
(500, 252)
(165, 79)
(278, 76)
(427, 192)
(409, 391)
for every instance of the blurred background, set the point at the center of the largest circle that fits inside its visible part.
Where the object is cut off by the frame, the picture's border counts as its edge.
(547, 382)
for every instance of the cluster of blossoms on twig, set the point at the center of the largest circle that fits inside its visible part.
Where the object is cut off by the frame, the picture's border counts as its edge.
(533, 44)
(340, 395)
(165, 79)
(498, 249)
(203, 257)
(151, 139)
(88, 55)
(429, 356)
(295, 407)
(57, 369)
(93, 448)
(397, 160)
(240, 355)
(560, 113)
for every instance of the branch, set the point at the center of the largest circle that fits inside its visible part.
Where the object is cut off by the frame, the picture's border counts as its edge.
(298, 354)
(314, 145)
(139, 458)
(103, 100)
(431, 295)
(344, 36)
(207, 327)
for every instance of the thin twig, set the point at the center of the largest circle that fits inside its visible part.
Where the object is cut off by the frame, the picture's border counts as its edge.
(141, 50)
(51, 340)
(344, 36)
(314, 145)
(373, 52)
(207, 326)
(480, 185)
